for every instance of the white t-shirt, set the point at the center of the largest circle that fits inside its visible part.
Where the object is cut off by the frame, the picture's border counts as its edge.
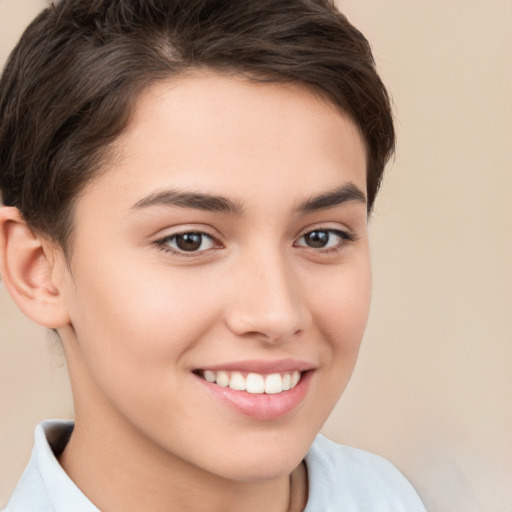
(341, 479)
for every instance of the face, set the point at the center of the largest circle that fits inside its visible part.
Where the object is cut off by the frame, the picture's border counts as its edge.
(224, 247)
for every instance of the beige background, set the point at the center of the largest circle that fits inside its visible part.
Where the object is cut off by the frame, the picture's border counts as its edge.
(433, 387)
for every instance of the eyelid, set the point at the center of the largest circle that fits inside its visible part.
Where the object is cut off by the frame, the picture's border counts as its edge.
(346, 237)
(328, 226)
(162, 242)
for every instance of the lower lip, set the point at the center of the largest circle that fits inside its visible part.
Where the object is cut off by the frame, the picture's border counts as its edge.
(261, 406)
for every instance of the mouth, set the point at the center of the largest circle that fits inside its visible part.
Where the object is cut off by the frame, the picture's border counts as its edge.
(253, 383)
(262, 391)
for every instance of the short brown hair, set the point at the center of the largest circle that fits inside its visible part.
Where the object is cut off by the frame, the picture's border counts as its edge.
(69, 85)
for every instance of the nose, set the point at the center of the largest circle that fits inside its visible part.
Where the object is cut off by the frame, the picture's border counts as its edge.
(267, 302)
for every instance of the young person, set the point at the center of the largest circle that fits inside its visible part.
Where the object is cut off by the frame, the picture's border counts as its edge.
(186, 189)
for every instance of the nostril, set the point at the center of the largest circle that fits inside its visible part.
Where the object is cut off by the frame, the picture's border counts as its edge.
(269, 306)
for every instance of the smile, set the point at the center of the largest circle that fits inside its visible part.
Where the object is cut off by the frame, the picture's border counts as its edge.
(261, 390)
(254, 383)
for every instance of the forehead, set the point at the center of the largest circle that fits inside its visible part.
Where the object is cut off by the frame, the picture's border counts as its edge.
(225, 134)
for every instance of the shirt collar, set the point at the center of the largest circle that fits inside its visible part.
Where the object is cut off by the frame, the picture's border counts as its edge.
(51, 436)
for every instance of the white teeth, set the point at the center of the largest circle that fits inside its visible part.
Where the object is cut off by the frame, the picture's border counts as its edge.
(209, 376)
(254, 382)
(237, 381)
(273, 384)
(222, 379)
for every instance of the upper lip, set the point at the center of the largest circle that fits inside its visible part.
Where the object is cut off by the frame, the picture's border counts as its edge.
(262, 366)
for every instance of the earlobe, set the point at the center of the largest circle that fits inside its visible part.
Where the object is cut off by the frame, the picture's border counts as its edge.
(27, 270)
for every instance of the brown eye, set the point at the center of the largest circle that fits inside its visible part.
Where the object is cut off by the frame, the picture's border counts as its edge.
(317, 239)
(188, 242)
(324, 239)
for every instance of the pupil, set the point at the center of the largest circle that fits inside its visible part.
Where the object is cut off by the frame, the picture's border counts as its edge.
(189, 241)
(317, 239)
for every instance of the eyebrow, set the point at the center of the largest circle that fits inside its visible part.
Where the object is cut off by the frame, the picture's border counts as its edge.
(196, 200)
(219, 204)
(346, 193)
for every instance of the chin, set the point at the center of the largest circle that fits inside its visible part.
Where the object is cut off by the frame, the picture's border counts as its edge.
(261, 460)
(261, 471)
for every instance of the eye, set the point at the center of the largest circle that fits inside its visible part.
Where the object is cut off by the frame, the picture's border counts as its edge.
(187, 242)
(324, 239)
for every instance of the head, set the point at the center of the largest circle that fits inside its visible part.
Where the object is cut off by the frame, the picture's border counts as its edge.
(69, 87)
(187, 186)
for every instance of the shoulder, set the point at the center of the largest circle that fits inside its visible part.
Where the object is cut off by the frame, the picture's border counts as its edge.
(344, 479)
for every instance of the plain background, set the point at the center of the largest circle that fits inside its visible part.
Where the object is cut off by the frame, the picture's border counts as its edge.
(433, 386)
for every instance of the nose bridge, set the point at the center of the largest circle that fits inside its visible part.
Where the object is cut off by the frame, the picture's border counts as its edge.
(267, 301)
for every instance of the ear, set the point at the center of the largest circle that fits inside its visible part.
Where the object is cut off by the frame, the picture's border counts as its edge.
(27, 270)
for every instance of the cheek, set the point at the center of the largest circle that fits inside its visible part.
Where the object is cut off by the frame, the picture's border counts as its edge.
(342, 306)
(134, 334)
(136, 319)
(340, 310)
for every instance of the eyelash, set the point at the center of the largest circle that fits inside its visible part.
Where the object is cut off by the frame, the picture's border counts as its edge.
(163, 243)
(345, 238)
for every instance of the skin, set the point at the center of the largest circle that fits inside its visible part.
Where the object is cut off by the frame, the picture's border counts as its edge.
(138, 321)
